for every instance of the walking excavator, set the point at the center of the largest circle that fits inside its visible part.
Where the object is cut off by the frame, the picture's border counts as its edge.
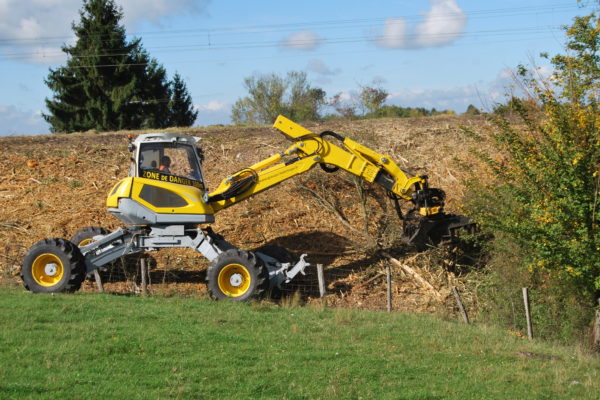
(164, 202)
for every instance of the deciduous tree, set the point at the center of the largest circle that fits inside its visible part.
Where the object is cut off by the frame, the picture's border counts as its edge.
(271, 95)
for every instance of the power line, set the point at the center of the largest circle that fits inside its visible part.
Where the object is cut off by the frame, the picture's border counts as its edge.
(324, 41)
(321, 54)
(327, 24)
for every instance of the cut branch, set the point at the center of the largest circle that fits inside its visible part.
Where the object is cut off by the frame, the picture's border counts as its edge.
(415, 275)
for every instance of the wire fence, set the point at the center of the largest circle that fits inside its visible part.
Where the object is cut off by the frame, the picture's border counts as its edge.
(362, 282)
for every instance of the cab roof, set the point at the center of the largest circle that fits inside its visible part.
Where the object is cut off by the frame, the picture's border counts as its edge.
(161, 137)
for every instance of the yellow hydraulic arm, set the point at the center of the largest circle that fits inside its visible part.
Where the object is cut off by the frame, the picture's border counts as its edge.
(308, 150)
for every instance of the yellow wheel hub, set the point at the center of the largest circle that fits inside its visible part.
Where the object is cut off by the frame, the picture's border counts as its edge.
(234, 280)
(47, 269)
(85, 242)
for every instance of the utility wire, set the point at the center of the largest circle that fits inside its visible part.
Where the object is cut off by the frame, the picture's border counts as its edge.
(337, 40)
(296, 56)
(328, 24)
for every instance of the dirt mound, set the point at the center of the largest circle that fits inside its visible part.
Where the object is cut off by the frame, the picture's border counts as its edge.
(54, 185)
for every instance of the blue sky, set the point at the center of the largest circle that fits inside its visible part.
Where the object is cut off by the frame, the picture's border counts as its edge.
(445, 54)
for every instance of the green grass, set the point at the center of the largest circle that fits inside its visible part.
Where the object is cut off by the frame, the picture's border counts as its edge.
(91, 346)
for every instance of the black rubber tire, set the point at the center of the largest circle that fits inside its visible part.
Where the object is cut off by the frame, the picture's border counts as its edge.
(87, 234)
(235, 260)
(71, 270)
(282, 255)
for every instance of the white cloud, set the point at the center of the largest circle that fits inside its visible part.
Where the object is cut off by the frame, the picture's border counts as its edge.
(507, 84)
(141, 10)
(213, 112)
(442, 24)
(34, 30)
(302, 40)
(394, 34)
(318, 66)
(457, 98)
(213, 105)
(484, 95)
(347, 96)
(21, 122)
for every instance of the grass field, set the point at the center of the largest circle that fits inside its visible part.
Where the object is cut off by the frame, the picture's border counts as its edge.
(87, 346)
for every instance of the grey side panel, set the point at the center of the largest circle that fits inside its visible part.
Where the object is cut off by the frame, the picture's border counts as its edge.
(133, 213)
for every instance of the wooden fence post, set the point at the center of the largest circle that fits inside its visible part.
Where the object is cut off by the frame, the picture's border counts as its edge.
(388, 272)
(98, 281)
(596, 330)
(527, 313)
(144, 272)
(460, 305)
(321, 278)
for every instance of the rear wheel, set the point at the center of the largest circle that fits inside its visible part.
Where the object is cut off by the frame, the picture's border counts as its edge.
(282, 255)
(237, 275)
(53, 265)
(85, 236)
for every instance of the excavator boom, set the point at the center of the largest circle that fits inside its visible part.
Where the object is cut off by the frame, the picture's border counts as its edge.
(426, 220)
(310, 149)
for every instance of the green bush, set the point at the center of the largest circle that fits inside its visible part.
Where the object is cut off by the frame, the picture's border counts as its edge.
(542, 200)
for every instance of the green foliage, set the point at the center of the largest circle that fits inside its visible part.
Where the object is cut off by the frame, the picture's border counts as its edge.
(578, 71)
(372, 98)
(271, 95)
(181, 107)
(122, 347)
(543, 197)
(347, 109)
(472, 110)
(406, 112)
(108, 83)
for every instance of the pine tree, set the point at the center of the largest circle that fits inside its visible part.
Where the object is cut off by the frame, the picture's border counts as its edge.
(181, 111)
(108, 82)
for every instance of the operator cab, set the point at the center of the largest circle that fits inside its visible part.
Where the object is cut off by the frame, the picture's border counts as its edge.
(175, 156)
(165, 184)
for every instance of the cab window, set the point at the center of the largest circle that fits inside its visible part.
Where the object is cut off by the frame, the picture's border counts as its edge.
(170, 159)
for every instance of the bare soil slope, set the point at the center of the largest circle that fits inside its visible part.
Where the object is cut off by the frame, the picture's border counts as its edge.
(54, 185)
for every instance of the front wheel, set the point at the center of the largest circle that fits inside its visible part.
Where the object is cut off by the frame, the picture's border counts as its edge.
(53, 265)
(237, 275)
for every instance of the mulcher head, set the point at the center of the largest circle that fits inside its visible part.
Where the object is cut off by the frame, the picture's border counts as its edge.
(423, 230)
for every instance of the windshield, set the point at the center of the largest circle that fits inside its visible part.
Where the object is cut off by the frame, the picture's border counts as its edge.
(157, 160)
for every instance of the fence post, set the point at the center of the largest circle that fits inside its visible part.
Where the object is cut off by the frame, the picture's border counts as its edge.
(388, 272)
(597, 328)
(321, 278)
(98, 281)
(144, 273)
(460, 305)
(527, 313)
